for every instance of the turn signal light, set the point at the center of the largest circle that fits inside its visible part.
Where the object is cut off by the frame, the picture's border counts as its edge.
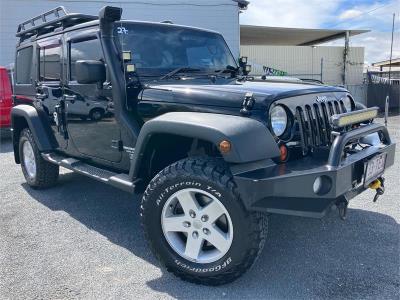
(283, 152)
(224, 146)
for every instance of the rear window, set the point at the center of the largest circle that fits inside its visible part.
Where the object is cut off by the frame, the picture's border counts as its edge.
(24, 65)
(50, 63)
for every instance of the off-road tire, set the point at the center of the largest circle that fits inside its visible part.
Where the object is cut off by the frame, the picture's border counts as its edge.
(249, 228)
(46, 173)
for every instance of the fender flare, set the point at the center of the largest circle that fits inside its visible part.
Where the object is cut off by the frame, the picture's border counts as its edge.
(242, 132)
(28, 116)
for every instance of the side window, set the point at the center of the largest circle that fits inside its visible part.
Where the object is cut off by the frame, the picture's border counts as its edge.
(50, 63)
(24, 65)
(83, 50)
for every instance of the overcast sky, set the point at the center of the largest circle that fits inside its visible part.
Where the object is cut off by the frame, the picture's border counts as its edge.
(338, 14)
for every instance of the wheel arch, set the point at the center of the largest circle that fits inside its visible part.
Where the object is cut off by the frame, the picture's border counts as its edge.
(26, 116)
(102, 109)
(177, 146)
(183, 131)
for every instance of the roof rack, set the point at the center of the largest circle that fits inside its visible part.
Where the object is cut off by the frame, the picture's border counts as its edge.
(49, 21)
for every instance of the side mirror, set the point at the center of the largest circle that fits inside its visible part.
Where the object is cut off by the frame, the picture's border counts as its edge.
(90, 71)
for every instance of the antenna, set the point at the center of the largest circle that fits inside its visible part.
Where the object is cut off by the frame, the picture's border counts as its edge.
(390, 73)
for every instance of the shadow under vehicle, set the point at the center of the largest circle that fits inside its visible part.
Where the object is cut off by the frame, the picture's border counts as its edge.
(211, 151)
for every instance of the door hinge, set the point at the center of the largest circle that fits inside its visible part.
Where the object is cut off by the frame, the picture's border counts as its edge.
(117, 144)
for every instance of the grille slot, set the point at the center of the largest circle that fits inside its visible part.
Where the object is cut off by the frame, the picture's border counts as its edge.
(314, 126)
(311, 127)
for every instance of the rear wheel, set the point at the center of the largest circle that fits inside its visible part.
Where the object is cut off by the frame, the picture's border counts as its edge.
(197, 225)
(38, 172)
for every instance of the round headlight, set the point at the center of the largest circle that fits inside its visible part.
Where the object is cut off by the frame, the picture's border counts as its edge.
(348, 105)
(279, 120)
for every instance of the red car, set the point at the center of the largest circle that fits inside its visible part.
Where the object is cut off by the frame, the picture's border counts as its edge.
(5, 102)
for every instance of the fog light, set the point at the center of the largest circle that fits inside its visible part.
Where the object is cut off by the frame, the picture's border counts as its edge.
(322, 185)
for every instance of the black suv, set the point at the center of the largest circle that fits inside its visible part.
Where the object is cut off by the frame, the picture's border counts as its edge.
(168, 112)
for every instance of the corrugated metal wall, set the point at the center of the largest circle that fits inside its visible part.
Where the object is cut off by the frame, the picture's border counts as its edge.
(218, 15)
(305, 61)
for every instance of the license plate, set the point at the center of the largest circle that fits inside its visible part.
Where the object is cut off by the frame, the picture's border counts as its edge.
(374, 168)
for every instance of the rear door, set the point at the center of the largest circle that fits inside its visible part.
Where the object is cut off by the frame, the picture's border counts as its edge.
(49, 90)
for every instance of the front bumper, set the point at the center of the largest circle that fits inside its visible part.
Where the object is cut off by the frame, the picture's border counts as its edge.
(288, 188)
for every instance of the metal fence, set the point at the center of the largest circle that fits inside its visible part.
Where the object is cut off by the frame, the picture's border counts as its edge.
(374, 94)
(379, 87)
(359, 92)
(377, 93)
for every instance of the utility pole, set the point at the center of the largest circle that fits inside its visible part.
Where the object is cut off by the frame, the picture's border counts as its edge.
(391, 49)
(345, 55)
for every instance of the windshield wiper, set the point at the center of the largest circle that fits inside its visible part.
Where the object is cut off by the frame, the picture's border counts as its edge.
(178, 70)
(228, 69)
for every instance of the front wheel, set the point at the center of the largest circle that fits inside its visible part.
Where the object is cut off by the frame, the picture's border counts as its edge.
(197, 225)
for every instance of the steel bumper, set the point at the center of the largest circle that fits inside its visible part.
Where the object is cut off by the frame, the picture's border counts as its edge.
(289, 188)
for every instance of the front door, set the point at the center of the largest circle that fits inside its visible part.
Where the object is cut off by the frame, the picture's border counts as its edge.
(91, 122)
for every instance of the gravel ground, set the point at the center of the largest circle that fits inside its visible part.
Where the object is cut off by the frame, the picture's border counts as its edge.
(83, 239)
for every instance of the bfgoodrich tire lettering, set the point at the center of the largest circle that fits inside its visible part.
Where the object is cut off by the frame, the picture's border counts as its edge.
(212, 176)
(45, 174)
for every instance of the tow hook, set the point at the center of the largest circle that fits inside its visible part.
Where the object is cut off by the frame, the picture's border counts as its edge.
(379, 186)
(342, 205)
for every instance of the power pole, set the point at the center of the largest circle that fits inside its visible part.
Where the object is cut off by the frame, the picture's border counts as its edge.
(345, 55)
(391, 49)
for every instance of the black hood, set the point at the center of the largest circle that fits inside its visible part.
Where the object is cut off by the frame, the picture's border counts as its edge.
(232, 94)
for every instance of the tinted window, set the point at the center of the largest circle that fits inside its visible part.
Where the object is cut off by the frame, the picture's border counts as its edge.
(84, 50)
(50, 63)
(24, 65)
(161, 48)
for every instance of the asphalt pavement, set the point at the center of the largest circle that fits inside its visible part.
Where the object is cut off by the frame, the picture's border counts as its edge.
(82, 239)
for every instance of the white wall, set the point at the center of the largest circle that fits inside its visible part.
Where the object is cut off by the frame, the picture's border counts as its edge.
(218, 15)
(307, 60)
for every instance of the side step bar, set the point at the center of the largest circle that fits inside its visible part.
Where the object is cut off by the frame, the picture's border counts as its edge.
(120, 181)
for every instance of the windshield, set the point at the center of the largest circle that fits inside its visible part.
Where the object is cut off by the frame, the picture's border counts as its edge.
(158, 49)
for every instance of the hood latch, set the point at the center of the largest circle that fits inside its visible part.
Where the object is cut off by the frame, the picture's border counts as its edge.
(247, 104)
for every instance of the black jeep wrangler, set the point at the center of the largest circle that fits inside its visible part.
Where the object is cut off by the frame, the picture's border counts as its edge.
(178, 119)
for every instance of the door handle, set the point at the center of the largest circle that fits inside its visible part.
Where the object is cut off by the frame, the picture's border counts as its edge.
(41, 96)
(107, 86)
(71, 98)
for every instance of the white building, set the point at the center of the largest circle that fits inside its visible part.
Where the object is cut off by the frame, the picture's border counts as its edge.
(297, 52)
(218, 15)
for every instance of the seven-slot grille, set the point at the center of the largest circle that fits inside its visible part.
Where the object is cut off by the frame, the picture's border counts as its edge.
(314, 125)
